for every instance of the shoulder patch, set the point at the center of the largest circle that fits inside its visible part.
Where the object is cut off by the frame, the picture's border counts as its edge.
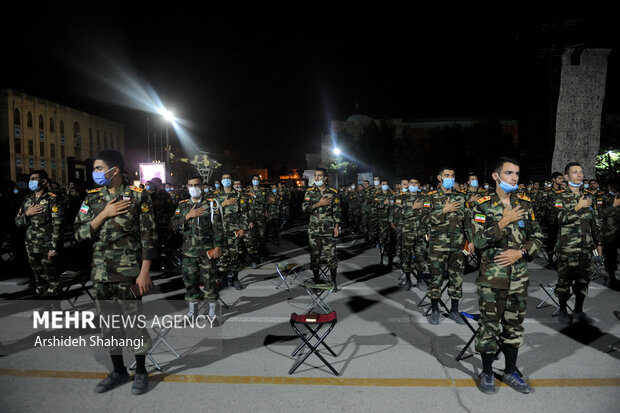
(94, 190)
(333, 190)
(183, 201)
(136, 188)
(484, 199)
(431, 192)
(53, 195)
(524, 198)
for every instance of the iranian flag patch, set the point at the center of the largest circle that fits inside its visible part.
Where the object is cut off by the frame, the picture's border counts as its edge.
(84, 209)
(480, 218)
(558, 205)
(427, 204)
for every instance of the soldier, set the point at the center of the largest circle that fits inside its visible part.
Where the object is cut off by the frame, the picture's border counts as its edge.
(446, 220)
(163, 209)
(405, 221)
(384, 199)
(236, 224)
(611, 232)
(508, 235)
(323, 205)
(557, 179)
(41, 213)
(119, 220)
(372, 218)
(272, 211)
(580, 235)
(257, 199)
(202, 232)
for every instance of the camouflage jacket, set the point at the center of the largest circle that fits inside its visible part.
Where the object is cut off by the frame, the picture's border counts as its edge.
(324, 218)
(610, 219)
(598, 198)
(44, 231)
(122, 241)
(580, 231)
(491, 241)
(274, 203)
(451, 230)
(199, 234)
(551, 212)
(406, 219)
(257, 203)
(163, 207)
(382, 203)
(236, 215)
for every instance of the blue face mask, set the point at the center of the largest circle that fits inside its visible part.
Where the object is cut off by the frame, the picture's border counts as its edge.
(206, 190)
(147, 187)
(168, 189)
(227, 183)
(574, 185)
(474, 183)
(507, 187)
(384, 187)
(448, 183)
(404, 189)
(274, 190)
(413, 188)
(33, 185)
(100, 179)
(318, 183)
(16, 191)
(217, 185)
(255, 182)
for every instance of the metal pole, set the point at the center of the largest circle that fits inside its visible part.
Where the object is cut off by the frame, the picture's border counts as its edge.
(148, 140)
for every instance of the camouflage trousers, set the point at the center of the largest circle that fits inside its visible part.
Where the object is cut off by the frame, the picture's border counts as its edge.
(411, 252)
(195, 270)
(116, 299)
(454, 263)
(325, 245)
(231, 254)
(254, 238)
(372, 225)
(573, 271)
(46, 277)
(505, 307)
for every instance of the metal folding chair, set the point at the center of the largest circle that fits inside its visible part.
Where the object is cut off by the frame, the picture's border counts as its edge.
(443, 304)
(318, 293)
(70, 278)
(288, 269)
(549, 292)
(309, 321)
(598, 266)
(160, 338)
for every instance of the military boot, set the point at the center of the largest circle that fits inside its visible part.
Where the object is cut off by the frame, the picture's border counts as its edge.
(236, 282)
(407, 284)
(333, 274)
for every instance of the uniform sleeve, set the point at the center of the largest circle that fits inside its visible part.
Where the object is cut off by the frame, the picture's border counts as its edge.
(337, 208)
(21, 220)
(567, 215)
(148, 231)
(57, 208)
(597, 228)
(177, 222)
(81, 226)
(534, 236)
(436, 215)
(218, 231)
(306, 206)
(485, 233)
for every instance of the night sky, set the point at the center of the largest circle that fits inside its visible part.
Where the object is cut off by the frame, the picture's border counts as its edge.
(264, 81)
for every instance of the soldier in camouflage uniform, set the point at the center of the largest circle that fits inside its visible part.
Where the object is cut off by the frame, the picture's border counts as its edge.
(273, 207)
(406, 220)
(202, 231)
(41, 213)
(323, 205)
(551, 213)
(373, 214)
(447, 223)
(163, 208)
(507, 233)
(236, 224)
(257, 199)
(610, 218)
(383, 201)
(579, 235)
(119, 220)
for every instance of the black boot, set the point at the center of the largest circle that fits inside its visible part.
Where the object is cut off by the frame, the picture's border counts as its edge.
(421, 283)
(407, 284)
(316, 276)
(236, 282)
(333, 272)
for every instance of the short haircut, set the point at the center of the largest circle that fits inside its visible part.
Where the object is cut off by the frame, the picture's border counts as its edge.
(191, 178)
(156, 181)
(443, 168)
(593, 180)
(112, 158)
(556, 175)
(499, 163)
(42, 174)
(255, 176)
(322, 170)
(227, 173)
(568, 166)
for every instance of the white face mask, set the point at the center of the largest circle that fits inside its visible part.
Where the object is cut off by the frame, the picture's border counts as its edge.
(376, 183)
(195, 192)
(318, 183)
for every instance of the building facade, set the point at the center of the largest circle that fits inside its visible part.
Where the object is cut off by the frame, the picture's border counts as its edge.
(39, 134)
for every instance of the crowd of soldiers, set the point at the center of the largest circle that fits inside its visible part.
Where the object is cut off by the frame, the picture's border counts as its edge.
(436, 230)
(433, 230)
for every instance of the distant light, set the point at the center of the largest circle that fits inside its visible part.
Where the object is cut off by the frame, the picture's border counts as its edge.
(336, 151)
(167, 115)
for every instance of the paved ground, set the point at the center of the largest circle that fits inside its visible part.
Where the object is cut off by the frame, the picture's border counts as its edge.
(388, 356)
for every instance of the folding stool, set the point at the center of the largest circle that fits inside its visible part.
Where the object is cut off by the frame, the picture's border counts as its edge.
(318, 293)
(288, 269)
(160, 338)
(551, 297)
(443, 304)
(598, 265)
(309, 321)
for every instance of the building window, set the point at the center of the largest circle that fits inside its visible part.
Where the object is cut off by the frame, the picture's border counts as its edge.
(18, 145)
(16, 117)
(29, 117)
(41, 136)
(42, 149)
(62, 139)
(41, 122)
(53, 150)
(30, 148)
(62, 126)
(51, 124)
(76, 129)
